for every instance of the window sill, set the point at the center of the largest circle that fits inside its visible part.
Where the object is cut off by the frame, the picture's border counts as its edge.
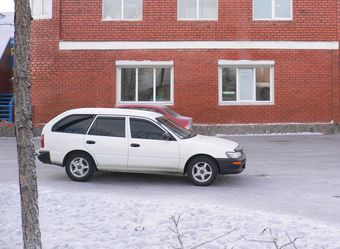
(224, 103)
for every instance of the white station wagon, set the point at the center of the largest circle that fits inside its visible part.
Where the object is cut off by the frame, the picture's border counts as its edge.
(118, 140)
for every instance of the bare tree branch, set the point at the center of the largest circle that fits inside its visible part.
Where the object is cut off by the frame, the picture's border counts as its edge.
(214, 239)
(179, 235)
(274, 240)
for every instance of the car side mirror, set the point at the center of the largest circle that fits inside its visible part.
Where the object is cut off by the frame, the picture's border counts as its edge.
(167, 136)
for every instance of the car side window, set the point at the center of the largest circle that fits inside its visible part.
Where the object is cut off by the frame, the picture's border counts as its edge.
(144, 109)
(160, 112)
(77, 124)
(108, 126)
(146, 130)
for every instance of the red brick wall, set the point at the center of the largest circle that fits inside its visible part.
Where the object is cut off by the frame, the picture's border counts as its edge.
(306, 81)
(313, 20)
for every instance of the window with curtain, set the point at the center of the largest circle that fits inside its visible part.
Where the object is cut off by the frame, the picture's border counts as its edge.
(244, 82)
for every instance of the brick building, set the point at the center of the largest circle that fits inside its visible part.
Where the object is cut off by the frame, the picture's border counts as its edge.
(220, 62)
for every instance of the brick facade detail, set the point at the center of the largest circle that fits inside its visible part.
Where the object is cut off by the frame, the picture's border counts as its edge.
(306, 81)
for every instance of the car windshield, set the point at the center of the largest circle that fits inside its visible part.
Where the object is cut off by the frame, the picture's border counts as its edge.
(175, 128)
(172, 112)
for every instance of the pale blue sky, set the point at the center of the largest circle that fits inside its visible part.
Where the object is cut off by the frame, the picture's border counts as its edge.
(6, 5)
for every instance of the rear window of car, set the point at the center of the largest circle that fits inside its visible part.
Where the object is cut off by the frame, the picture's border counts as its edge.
(77, 124)
(172, 112)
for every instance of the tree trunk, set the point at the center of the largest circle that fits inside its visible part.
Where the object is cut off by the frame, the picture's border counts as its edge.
(24, 126)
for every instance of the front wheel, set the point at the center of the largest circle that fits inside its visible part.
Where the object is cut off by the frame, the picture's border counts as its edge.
(80, 166)
(202, 171)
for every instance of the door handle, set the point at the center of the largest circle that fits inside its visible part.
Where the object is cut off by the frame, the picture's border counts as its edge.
(90, 142)
(134, 145)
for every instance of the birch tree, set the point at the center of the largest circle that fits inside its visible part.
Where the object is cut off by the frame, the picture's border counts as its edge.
(24, 126)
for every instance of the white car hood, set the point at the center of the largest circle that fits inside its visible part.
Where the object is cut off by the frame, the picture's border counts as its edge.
(215, 141)
(213, 146)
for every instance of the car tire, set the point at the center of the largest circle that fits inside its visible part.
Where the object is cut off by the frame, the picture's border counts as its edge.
(80, 166)
(202, 171)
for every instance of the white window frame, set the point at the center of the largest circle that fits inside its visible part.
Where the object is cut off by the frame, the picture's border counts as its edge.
(144, 64)
(197, 13)
(244, 64)
(122, 11)
(40, 15)
(273, 13)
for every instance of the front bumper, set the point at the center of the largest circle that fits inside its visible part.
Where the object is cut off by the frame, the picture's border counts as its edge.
(232, 165)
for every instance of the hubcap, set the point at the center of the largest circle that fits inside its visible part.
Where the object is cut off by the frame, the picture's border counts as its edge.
(202, 171)
(79, 167)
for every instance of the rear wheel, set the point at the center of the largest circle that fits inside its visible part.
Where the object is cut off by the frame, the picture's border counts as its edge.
(202, 171)
(80, 166)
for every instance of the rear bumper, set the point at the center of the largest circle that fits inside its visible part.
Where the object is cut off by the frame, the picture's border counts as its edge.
(44, 156)
(232, 165)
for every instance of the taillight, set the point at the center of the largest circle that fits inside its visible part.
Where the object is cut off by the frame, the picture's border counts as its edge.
(188, 125)
(42, 141)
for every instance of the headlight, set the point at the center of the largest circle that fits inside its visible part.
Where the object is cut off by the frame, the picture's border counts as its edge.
(234, 154)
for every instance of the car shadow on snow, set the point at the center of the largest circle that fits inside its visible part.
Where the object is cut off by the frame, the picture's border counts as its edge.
(157, 179)
(138, 178)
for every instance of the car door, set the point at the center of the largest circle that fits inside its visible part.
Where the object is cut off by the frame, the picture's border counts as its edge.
(149, 150)
(107, 141)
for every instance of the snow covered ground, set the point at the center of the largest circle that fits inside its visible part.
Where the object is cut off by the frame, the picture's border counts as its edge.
(289, 191)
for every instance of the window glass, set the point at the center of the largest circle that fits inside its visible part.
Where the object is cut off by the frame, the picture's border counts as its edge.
(112, 9)
(46, 7)
(172, 112)
(132, 9)
(41, 8)
(187, 8)
(246, 82)
(263, 84)
(228, 84)
(163, 84)
(198, 9)
(73, 124)
(158, 111)
(122, 9)
(272, 9)
(108, 126)
(145, 130)
(282, 8)
(262, 9)
(35, 7)
(145, 84)
(128, 85)
(180, 131)
(208, 9)
(144, 109)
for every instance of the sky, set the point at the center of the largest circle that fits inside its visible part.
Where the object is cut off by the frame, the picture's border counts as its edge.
(6, 5)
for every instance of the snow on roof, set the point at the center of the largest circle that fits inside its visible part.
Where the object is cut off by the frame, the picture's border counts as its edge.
(6, 30)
